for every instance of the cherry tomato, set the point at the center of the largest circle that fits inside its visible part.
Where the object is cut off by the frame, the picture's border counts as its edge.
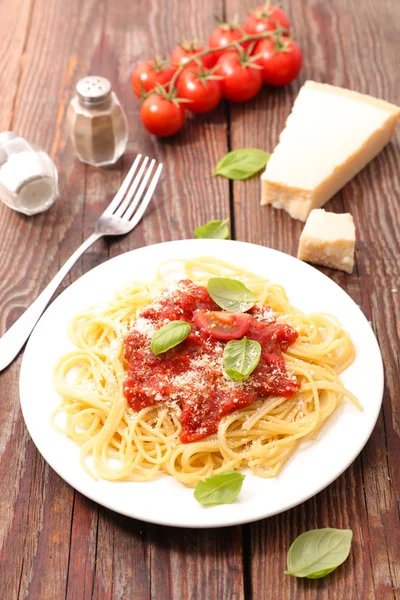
(148, 74)
(184, 52)
(204, 92)
(241, 81)
(265, 18)
(222, 325)
(161, 116)
(222, 36)
(281, 62)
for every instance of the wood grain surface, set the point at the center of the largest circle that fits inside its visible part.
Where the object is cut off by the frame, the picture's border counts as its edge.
(54, 542)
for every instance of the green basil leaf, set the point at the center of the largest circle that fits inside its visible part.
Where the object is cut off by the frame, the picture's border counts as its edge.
(318, 552)
(219, 489)
(230, 294)
(169, 335)
(241, 358)
(320, 574)
(217, 230)
(242, 164)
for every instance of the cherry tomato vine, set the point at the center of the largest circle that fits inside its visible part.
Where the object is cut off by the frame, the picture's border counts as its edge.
(236, 63)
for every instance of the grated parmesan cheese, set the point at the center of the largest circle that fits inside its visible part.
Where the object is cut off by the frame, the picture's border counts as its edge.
(266, 314)
(144, 326)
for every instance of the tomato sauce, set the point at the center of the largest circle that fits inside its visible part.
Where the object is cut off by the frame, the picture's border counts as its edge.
(191, 374)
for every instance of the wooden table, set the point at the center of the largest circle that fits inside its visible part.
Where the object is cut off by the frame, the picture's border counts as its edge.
(56, 543)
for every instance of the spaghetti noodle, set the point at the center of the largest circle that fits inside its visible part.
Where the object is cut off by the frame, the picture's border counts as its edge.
(118, 443)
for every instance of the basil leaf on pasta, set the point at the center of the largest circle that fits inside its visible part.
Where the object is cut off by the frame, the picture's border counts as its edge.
(241, 358)
(242, 164)
(168, 336)
(318, 552)
(219, 489)
(217, 230)
(230, 294)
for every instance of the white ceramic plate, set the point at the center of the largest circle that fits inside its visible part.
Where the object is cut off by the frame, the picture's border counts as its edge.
(312, 467)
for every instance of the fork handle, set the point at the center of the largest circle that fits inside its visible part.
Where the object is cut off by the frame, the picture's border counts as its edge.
(13, 340)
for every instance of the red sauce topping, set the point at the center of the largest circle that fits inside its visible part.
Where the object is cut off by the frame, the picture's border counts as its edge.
(191, 374)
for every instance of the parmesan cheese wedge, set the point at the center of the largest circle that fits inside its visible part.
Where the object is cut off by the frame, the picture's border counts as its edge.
(330, 135)
(328, 239)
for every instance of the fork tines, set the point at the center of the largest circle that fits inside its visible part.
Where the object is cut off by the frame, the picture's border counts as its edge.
(131, 192)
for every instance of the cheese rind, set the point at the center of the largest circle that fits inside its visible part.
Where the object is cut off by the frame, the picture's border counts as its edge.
(328, 239)
(330, 135)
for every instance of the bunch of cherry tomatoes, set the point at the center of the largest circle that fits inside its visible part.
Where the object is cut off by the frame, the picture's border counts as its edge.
(234, 65)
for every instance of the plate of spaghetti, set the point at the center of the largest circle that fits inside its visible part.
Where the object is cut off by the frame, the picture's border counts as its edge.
(128, 390)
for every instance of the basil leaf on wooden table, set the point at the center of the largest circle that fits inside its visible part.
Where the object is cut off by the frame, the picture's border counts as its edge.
(318, 552)
(168, 336)
(217, 230)
(242, 164)
(219, 489)
(241, 358)
(230, 294)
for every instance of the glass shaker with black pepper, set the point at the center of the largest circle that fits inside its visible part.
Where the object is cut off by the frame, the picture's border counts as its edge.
(97, 122)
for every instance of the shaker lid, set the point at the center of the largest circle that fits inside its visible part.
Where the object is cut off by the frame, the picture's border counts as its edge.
(93, 89)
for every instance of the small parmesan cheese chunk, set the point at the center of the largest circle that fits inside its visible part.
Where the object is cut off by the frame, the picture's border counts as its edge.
(328, 239)
(330, 135)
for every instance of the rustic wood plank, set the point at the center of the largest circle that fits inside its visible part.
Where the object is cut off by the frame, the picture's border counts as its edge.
(364, 498)
(122, 561)
(196, 564)
(82, 549)
(15, 19)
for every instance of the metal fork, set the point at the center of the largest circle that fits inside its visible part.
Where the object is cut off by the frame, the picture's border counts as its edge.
(121, 216)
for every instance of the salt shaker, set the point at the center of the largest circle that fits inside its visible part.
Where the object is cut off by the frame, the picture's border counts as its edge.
(97, 122)
(28, 176)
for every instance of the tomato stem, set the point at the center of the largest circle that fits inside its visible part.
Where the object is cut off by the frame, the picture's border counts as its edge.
(244, 39)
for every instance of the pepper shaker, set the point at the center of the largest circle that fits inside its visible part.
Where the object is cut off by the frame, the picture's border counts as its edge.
(28, 176)
(97, 123)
